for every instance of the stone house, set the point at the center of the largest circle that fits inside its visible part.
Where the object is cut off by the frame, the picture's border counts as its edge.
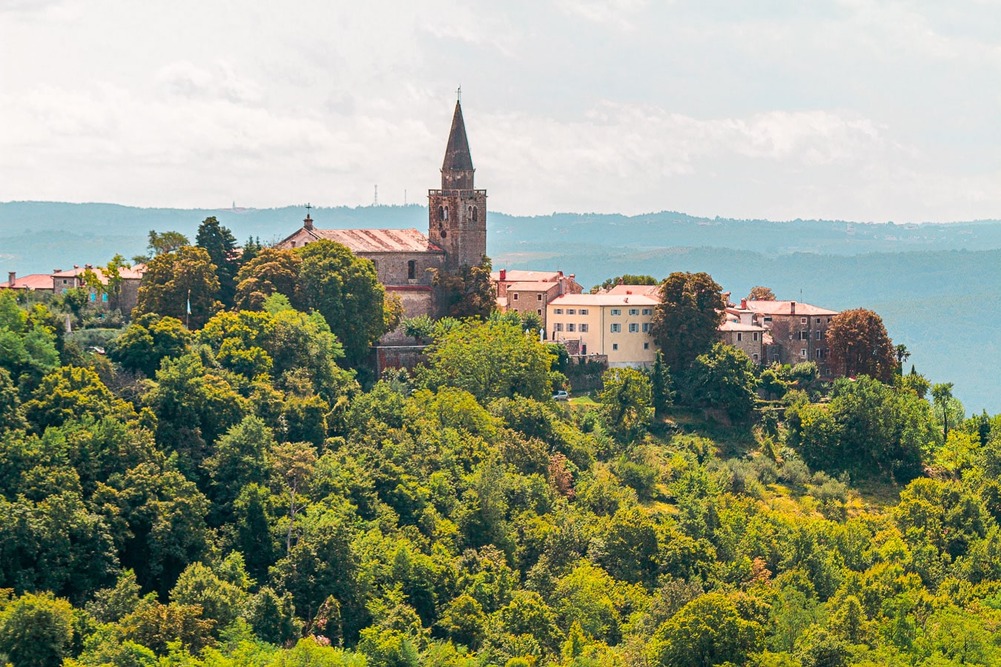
(798, 332)
(531, 291)
(740, 329)
(131, 277)
(35, 282)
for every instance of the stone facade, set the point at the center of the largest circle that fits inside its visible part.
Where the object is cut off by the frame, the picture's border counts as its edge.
(740, 329)
(457, 212)
(798, 332)
(531, 291)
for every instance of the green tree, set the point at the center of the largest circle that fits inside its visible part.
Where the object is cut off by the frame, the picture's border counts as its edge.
(860, 346)
(685, 323)
(467, 292)
(723, 378)
(166, 242)
(178, 281)
(707, 631)
(194, 405)
(947, 408)
(240, 458)
(220, 600)
(11, 415)
(36, 630)
(147, 341)
(272, 271)
(760, 293)
(492, 359)
(28, 346)
(68, 393)
(220, 244)
(628, 400)
(624, 279)
(345, 290)
(661, 385)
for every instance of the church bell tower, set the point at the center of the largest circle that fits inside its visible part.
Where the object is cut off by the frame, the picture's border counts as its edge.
(457, 213)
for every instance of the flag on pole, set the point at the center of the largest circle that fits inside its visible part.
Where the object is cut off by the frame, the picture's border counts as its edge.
(189, 302)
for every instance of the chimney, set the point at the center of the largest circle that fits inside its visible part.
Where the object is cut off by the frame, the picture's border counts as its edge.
(307, 223)
(11, 277)
(503, 274)
(792, 307)
(743, 304)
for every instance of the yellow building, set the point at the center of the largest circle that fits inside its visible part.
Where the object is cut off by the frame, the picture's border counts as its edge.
(616, 326)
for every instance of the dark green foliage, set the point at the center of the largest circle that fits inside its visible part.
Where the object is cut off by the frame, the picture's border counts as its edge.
(220, 244)
(723, 379)
(467, 292)
(492, 359)
(147, 341)
(36, 631)
(344, 289)
(251, 505)
(685, 322)
(180, 284)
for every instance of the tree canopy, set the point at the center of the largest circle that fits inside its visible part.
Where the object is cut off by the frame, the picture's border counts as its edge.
(685, 323)
(859, 345)
(345, 290)
(181, 284)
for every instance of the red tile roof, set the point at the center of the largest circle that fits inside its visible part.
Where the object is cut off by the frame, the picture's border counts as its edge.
(598, 300)
(517, 276)
(787, 308)
(648, 290)
(34, 281)
(378, 240)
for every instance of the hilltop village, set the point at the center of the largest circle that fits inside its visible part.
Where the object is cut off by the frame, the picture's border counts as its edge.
(612, 325)
(373, 448)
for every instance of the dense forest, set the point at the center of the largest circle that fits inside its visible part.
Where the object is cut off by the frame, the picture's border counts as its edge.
(246, 492)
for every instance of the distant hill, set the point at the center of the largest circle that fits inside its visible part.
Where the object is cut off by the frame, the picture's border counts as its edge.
(936, 285)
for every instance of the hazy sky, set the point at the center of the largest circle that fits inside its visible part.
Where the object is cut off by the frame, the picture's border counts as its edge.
(853, 109)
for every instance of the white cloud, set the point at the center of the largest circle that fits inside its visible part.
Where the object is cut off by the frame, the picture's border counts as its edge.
(858, 109)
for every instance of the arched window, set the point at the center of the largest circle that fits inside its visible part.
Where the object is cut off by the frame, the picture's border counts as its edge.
(475, 211)
(412, 269)
(441, 212)
(446, 214)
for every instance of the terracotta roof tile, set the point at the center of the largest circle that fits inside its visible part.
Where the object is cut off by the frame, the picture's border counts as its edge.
(786, 308)
(379, 240)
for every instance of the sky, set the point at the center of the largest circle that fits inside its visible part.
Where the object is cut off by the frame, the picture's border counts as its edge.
(859, 110)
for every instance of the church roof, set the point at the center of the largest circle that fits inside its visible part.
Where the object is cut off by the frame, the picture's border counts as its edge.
(378, 240)
(457, 156)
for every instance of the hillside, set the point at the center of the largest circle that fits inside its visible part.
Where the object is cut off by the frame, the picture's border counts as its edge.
(934, 284)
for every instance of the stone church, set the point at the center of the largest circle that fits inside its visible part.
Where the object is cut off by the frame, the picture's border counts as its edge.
(457, 232)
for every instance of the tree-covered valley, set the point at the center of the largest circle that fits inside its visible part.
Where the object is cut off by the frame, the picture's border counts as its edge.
(244, 490)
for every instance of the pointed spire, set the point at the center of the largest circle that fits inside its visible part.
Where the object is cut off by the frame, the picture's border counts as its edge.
(457, 157)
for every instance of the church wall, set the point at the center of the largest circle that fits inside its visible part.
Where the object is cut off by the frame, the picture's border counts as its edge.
(392, 268)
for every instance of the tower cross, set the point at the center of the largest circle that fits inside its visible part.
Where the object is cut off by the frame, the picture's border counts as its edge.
(308, 206)
(458, 94)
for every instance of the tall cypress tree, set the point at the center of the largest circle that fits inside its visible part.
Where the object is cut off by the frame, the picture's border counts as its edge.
(220, 244)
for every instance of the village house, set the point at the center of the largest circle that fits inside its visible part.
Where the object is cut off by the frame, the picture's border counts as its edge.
(615, 326)
(531, 291)
(74, 278)
(798, 332)
(405, 258)
(35, 282)
(740, 329)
